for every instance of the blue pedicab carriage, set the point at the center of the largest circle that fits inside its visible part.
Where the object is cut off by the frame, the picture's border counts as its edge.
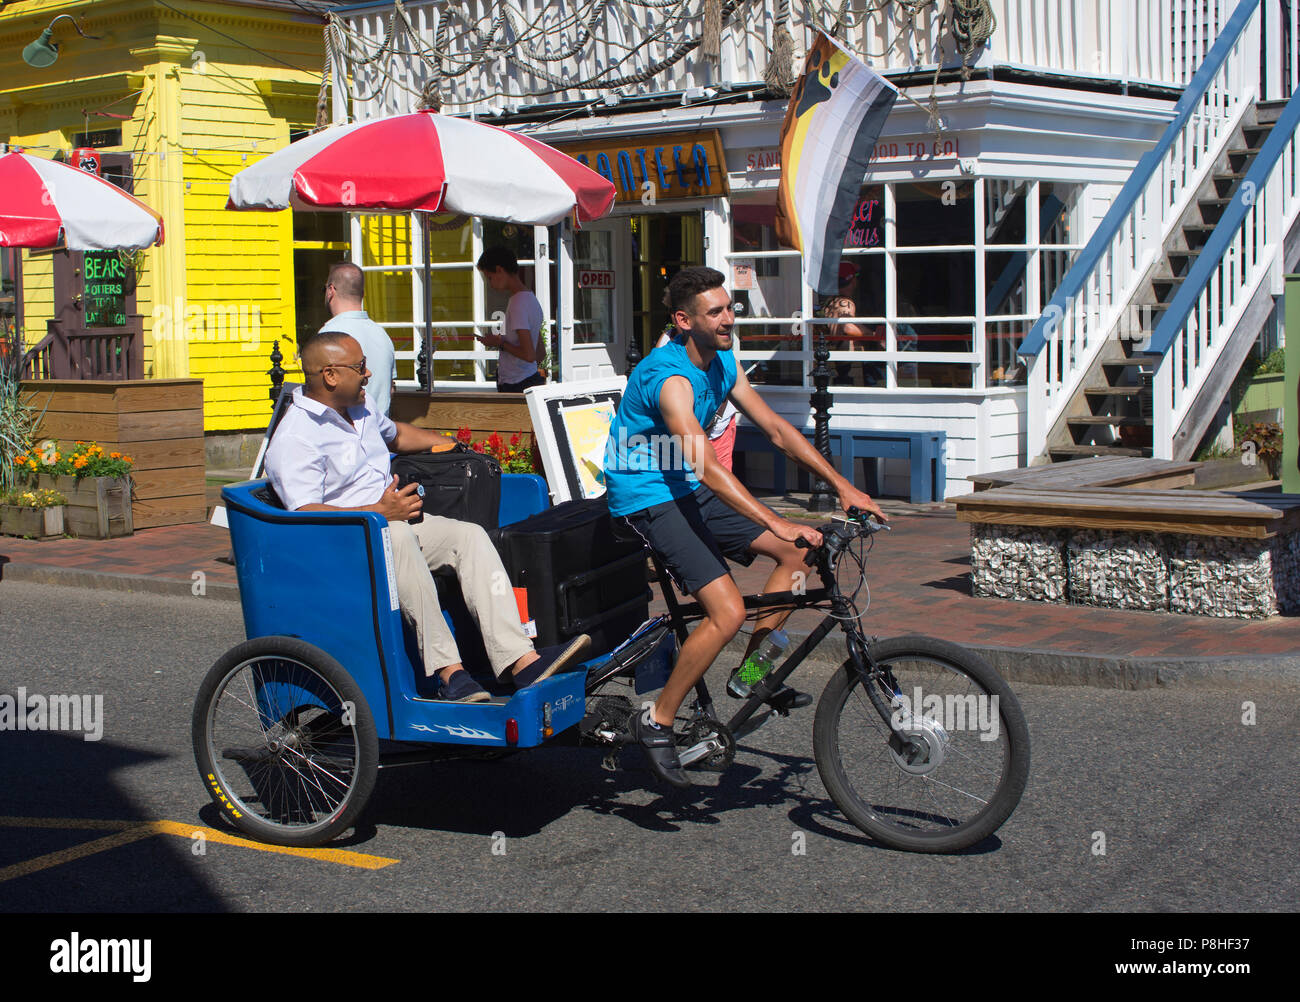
(291, 726)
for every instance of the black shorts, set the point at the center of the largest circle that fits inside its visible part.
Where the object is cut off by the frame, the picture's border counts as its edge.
(695, 535)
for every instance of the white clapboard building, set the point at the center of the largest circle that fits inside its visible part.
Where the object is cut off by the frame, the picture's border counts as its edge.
(1073, 228)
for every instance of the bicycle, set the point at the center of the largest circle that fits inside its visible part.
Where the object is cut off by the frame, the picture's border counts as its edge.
(892, 734)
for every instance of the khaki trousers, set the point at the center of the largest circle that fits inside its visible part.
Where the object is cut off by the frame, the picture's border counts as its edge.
(465, 548)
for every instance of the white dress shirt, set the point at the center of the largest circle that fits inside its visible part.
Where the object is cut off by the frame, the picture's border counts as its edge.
(316, 457)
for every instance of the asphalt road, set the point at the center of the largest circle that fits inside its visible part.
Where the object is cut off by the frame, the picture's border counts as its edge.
(1196, 808)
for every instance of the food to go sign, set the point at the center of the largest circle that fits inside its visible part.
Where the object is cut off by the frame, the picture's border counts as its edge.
(595, 280)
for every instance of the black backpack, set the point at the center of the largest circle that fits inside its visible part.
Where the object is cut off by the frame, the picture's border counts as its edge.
(459, 483)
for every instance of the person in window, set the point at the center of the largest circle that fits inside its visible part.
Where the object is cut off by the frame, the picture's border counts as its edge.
(330, 453)
(854, 335)
(520, 341)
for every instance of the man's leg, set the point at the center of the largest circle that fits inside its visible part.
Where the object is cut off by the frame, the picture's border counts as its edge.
(789, 569)
(466, 549)
(724, 614)
(418, 600)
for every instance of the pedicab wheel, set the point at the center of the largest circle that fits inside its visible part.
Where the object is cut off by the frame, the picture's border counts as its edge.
(285, 741)
(964, 761)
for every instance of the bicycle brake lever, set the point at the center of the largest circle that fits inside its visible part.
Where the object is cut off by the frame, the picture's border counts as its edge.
(811, 559)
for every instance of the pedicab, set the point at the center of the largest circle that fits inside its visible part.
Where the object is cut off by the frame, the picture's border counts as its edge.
(291, 727)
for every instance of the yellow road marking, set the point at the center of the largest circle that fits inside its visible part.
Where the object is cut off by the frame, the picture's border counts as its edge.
(132, 831)
(76, 852)
(342, 856)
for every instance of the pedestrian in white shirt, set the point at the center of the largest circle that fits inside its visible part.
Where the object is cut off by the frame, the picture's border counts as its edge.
(344, 294)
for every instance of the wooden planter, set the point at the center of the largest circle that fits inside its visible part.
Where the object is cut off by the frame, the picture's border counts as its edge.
(38, 523)
(158, 422)
(97, 508)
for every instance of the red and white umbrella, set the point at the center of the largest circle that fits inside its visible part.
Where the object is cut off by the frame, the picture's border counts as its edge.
(44, 203)
(428, 162)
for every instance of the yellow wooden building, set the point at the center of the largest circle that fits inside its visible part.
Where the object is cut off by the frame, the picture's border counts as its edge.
(179, 95)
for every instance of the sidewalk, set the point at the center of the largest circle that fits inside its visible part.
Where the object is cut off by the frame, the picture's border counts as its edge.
(918, 578)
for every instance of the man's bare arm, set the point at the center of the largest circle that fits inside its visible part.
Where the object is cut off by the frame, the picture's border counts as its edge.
(395, 505)
(677, 405)
(790, 440)
(409, 438)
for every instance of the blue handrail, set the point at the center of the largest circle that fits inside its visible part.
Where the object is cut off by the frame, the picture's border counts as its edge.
(1077, 277)
(1225, 231)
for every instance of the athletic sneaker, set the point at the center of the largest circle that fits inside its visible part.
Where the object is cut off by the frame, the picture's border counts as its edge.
(462, 689)
(660, 747)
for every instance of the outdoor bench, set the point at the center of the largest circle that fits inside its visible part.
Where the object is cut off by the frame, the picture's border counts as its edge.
(924, 451)
(1198, 552)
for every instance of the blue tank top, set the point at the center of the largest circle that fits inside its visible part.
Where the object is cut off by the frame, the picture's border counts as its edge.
(644, 465)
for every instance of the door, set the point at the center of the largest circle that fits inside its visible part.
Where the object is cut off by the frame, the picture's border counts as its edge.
(595, 341)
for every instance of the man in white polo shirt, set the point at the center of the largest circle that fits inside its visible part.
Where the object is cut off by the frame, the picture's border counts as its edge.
(331, 453)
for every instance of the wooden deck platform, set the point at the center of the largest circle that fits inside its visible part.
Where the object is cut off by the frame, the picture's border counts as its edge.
(1244, 515)
(1094, 471)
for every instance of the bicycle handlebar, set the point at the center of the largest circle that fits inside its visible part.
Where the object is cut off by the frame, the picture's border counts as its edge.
(835, 537)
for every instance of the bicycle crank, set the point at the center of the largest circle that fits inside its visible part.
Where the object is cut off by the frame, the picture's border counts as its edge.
(707, 744)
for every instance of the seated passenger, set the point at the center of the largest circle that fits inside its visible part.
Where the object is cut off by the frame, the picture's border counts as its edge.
(330, 453)
(665, 480)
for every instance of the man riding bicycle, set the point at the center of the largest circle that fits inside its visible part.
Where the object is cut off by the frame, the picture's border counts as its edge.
(665, 481)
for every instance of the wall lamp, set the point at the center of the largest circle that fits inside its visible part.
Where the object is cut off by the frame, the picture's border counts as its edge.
(43, 51)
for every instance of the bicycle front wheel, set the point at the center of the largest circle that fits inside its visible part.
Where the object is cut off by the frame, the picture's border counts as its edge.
(962, 764)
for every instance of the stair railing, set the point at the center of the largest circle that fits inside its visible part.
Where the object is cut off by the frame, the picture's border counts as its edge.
(1246, 245)
(1094, 296)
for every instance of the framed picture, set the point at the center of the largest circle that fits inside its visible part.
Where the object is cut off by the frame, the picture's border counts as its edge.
(571, 425)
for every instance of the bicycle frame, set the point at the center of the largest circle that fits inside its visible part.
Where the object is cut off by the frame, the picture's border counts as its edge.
(682, 614)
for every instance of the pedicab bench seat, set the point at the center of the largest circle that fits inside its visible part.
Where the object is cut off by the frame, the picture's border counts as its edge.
(326, 578)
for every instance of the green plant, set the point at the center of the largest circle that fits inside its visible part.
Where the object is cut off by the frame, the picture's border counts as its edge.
(18, 421)
(43, 497)
(87, 459)
(513, 456)
(1276, 362)
(545, 360)
(1264, 440)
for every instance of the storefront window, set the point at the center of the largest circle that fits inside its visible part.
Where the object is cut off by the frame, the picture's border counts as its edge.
(766, 287)
(10, 301)
(935, 213)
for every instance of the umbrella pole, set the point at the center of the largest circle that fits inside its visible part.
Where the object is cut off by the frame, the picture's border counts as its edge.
(425, 360)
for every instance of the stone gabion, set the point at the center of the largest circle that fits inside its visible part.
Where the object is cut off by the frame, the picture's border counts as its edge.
(1286, 572)
(1027, 565)
(1118, 570)
(1223, 577)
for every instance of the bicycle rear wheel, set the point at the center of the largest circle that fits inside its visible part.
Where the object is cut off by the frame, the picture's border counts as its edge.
(285, 741)
(964, 764)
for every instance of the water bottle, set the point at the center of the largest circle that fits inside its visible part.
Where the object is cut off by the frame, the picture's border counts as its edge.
(758, 664)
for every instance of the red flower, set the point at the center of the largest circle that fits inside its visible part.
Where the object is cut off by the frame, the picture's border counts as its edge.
(463, 435)
(477, 446)
(514, 439)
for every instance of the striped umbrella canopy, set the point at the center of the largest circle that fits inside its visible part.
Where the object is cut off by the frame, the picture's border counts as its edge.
(425, 161)
(44, 203)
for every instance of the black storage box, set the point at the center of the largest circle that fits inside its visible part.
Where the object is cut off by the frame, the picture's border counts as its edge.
(580, 578)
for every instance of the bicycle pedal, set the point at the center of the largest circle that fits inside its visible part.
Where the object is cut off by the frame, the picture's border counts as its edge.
(786, 699)
(610, 762)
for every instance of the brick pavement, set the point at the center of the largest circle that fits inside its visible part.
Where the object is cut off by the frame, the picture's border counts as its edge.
(918, 576)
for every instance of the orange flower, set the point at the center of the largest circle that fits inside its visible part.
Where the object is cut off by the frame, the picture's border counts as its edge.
(114, 455)
(127, 459)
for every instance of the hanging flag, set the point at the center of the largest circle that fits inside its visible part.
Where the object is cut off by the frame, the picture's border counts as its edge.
(836, 113)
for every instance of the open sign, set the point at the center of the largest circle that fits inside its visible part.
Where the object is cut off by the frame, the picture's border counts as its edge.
(595, 280)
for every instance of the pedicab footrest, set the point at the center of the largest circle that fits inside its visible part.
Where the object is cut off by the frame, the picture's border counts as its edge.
(538, 712)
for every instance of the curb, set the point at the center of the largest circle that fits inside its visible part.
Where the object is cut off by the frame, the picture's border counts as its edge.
(105, 581)
(1045, 667)
(1040, 667)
